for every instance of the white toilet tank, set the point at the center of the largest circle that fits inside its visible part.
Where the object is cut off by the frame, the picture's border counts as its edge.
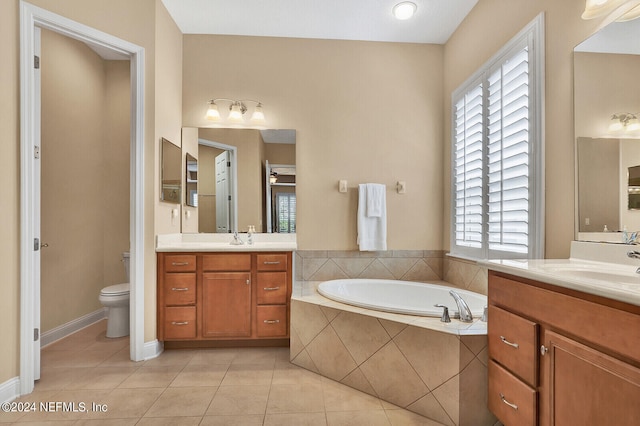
(125, 261)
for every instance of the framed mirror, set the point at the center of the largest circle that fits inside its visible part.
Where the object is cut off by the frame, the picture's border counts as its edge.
(232, 166)
(606, 66)
(191, 181)
(171, 173)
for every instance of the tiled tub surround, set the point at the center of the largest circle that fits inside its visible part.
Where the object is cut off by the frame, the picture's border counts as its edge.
(437, 370)
(406, 265)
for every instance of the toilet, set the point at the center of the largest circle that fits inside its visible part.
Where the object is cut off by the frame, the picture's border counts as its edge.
(116, 298)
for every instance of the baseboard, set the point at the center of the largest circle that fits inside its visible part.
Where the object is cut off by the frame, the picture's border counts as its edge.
(10, 390)
(152, 349)
(64, 330)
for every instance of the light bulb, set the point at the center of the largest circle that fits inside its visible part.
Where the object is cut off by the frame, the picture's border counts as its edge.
(404, 10)
(258, 115)
(212, 113)
(236, 113)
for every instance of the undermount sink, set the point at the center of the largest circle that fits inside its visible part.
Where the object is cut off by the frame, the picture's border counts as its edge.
(595, 271)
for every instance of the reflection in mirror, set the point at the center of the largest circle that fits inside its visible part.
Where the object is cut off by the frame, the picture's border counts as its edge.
(191, 181)
(280, 189)
(606, 67)
(231, 176)
(171, 179)
(634, 187)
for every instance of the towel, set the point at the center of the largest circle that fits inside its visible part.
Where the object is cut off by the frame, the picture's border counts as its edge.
(372, 217)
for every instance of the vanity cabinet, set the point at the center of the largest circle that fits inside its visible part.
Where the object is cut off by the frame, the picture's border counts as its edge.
(241, 298)
(561, 357)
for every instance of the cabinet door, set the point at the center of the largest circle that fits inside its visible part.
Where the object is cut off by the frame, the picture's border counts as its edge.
(588, 387)
(226, 304)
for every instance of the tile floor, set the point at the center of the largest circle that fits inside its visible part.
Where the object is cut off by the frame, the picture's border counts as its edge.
(192, 387)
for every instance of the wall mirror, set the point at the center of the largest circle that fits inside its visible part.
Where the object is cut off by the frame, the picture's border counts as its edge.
(232, 178)
(606, 66)
(191, 180)
(171, 174)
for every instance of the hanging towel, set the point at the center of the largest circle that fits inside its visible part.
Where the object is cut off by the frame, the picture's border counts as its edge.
(372, 221)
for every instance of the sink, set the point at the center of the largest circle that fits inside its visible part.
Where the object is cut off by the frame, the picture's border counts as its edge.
(595, 271)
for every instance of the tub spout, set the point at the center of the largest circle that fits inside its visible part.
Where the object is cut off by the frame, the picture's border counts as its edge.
(463, 308)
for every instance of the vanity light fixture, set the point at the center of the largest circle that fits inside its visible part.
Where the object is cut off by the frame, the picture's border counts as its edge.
(404, 10)
(237, 109)
(624, 121)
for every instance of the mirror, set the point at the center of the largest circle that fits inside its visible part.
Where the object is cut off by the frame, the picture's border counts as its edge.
(191, 181)
(171, 173)
(232, 164)
(606, 66)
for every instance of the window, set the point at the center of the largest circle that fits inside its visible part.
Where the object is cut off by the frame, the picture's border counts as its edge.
(286, 212)
(497, 154)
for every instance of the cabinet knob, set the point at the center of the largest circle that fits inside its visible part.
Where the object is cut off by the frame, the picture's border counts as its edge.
(543, 350)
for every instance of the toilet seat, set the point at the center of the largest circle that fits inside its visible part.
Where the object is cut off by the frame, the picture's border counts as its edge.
(116, 290)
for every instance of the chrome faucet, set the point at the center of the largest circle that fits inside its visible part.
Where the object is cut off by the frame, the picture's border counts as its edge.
(463, 308)
(236, 240)
(634, 255)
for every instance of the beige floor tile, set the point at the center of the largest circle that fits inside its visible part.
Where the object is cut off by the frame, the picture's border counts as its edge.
(358, 418)
(101, 378)
(299, 398)
(106, 422)
(295, 419)
(401, 417)
(257, 356)
(200, 375)
(174, 402)
(169, 421)
(222, 356)
(239, 400)
(127, 403)
(73, 358)
(122, 358)
(66, 405)
(290, 374)
(338, 397)
(172, 358)
(151, 377)
(240, 420)
(248, 374)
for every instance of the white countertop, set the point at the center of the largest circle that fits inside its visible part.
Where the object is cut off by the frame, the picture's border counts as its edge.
(615, 278)
(222, 242)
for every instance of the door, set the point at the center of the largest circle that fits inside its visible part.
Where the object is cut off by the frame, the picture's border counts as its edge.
(223, 193)
(37, 245)
(226, 304)
(587, 387)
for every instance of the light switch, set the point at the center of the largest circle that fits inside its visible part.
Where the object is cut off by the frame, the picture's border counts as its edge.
(342, 186)
(402, 187)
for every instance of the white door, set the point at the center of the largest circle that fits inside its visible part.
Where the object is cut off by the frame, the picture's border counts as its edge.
(223, 193)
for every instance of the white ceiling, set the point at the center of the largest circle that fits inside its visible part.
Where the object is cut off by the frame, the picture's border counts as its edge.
(370, 20)
(617, 37)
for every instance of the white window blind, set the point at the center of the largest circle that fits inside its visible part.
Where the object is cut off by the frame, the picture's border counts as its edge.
(497, 154)
(286, 212)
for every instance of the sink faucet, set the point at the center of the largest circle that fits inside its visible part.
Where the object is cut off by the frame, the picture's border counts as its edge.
(463, 308)
(634, 255)
(236, 240)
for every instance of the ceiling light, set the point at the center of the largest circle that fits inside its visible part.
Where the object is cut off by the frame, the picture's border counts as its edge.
(237, 109)
(404, 10)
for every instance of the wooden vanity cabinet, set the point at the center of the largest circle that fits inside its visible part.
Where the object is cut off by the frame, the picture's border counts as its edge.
(561, 357)
(224, 297)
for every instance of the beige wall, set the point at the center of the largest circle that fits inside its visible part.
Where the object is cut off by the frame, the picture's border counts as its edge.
(365, 112)
(10, 201)
(495, 22)
(85, 179)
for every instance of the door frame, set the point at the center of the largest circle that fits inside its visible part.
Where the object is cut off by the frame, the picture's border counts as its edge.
(30, 18)
(233, 176)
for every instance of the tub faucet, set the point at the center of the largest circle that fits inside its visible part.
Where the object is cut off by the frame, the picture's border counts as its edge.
(634, 255)
(463, 308)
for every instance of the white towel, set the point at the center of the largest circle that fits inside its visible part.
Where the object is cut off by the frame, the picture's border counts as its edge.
(372, 230)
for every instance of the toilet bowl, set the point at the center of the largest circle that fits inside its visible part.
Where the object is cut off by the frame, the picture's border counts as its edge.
(116, 299)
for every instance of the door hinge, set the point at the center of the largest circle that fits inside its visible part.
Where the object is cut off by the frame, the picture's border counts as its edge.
(36, 334)
(36, 152)
(228, 163)
(229, 197)
(36, 244)
(36, 62)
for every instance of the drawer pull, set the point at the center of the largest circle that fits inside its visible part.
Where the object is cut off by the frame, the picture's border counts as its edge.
(271, 288)
(179, 288)
(271, 321)
(512, 405)
(179, 322)
(275, 262)
(179, 263)
(505, 341)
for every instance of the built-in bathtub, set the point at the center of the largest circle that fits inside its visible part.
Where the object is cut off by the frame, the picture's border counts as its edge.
(436, 369)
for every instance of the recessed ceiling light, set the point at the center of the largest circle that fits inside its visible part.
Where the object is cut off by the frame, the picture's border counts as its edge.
(404, 10)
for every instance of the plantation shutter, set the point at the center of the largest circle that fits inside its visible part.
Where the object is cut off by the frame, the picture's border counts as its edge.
(468, 169)
(508, 155)
(286, 212)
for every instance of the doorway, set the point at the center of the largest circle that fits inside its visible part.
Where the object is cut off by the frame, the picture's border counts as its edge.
(32, 19)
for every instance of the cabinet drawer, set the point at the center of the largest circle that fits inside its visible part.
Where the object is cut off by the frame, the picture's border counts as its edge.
(513, 343)
(272, 262)
(272, 288)
(511, 400)
(227, 262)
(180, 263)
(272, 321)
(180, 289)
(180, 322)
